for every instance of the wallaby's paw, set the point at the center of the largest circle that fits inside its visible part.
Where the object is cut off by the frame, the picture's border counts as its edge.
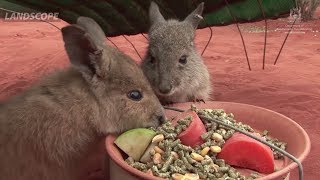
(199, 100)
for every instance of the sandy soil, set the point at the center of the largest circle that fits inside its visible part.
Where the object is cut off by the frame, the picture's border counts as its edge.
(292, 87)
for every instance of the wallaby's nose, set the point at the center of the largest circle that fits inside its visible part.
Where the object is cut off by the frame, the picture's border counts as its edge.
(165, 88)
(161, 119)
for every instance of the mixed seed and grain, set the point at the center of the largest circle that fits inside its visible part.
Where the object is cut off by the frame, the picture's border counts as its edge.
(173, 160)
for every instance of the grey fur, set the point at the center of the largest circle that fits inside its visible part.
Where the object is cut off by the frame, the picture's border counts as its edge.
(168, 41)
(47, 131)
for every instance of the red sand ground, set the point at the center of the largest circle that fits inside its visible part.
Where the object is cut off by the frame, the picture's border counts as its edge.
(292, 87)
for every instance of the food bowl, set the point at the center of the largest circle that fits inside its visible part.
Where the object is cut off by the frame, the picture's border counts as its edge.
(279, 126)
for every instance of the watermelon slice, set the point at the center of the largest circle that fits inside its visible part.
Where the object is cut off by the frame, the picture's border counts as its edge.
(192, 135)
(243, 151)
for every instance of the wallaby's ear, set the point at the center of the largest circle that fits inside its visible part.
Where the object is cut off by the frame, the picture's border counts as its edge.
(93, 29)
(196, 16)
(85, 50)
(154, 13)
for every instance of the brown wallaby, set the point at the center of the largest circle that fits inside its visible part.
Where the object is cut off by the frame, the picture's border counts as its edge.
(172, 64)
(46, 131)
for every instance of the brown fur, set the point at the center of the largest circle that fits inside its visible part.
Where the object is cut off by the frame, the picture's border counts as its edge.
(46, 131)
(169, 40)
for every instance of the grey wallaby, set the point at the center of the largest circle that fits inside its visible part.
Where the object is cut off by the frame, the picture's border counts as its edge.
(46, 131)
(172, 64)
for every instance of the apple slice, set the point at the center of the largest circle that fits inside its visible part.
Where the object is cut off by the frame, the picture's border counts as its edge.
(135, 142)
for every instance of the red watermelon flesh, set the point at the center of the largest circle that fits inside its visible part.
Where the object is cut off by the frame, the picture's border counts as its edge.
(192, 135)
(243, 151)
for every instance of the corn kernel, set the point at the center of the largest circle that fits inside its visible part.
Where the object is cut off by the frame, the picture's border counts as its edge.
(175, 155)
(158, 138)
(204, 151)
(190, 176)
(223, 131)
(196, 157)
(215, 149)
(217, 137)
(158, 150)
(157, 158)
(177, 176)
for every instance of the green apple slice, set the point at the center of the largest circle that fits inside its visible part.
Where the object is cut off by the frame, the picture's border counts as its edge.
(135, 142)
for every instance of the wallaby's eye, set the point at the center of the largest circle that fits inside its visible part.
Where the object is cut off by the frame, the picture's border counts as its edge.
(183, 59)
(152, 59)
(135, 95)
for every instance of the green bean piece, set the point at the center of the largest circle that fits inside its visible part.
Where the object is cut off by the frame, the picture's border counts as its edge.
(181, 153)
(202, 175)
(199, 166)
(184, 127)
(155, 170)
(178, 162)
(254, 175)
(167, 152)
(171, 136)
(223, 169)
(178, 129)
(206, 161)
(161, 145)
(229, 178)
(232, 173)
(184, 122)
(211, 176)
(184, 148)
(187, 164)
(139, 166)
(190, 160)
(167, 164)
(177, 169)
(164, 175)
(175, 143)
(218, 174)
(149, 165)
(207, 135)
(220, 162)
(208, 169)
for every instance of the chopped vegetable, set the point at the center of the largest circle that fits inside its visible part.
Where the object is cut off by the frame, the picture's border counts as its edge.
(191, 136)
(243, 151)
(134, 142)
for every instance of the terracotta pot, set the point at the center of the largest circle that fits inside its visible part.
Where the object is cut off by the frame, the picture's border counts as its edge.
(259, 118)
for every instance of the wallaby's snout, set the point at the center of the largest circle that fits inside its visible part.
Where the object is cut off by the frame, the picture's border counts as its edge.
(160, 118)
(165, 88)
